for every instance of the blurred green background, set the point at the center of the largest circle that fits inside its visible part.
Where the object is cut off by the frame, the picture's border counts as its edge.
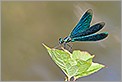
(26, 25)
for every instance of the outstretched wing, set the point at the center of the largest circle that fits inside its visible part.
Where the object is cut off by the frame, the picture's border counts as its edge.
(92, 37)
(83, 24)
(93, 29)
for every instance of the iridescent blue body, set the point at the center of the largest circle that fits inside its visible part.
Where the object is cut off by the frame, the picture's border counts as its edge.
(84, 32)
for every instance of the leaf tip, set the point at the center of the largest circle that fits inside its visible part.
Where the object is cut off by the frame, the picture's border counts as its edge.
(45, 46)
(93, 56)
(105, 66)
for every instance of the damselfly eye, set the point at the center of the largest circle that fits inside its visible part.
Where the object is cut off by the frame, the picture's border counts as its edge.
(61, 40)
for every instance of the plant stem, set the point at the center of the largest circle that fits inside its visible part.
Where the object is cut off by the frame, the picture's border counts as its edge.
(68, 79)
(74, 79)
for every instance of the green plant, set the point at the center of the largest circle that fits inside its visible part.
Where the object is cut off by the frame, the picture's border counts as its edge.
(76, 64)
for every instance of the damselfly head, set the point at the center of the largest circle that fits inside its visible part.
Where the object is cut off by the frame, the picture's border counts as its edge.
(61, 41)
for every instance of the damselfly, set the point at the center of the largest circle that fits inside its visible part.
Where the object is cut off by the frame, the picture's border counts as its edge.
(84, 32)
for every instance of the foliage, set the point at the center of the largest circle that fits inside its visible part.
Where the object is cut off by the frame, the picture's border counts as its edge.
(76, 64)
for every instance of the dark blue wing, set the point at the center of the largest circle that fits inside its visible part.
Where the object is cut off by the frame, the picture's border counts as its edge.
(83, 24)
(93, 29)
(92, 37)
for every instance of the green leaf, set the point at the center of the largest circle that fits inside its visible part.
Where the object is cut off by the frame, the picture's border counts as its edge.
(71, 70)
(77, 54)
(63, 60)
(59, 57)
(77, 64)
(83, 66)
(92, 69)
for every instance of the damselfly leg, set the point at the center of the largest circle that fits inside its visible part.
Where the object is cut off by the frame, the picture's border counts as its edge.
(68, 47)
